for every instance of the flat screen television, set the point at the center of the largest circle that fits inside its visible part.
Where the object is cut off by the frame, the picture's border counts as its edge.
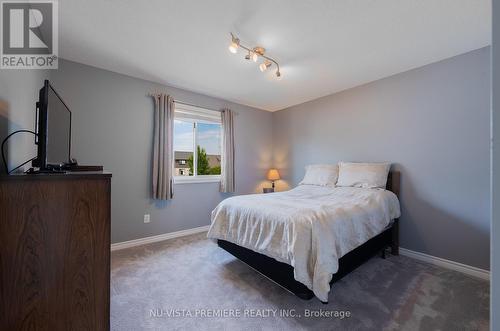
(53, 129)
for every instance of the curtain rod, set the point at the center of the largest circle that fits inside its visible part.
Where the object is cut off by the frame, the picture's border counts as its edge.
(186, 103)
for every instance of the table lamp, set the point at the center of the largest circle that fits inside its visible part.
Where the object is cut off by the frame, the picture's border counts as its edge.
(272, 175)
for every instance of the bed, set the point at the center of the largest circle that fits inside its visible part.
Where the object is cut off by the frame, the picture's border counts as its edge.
(309, 237)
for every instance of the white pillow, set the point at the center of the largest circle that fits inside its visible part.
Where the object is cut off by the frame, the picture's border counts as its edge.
(321, 174)
(366, 175)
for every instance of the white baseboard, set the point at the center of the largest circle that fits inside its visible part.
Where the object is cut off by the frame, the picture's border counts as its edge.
(452, 265)
(160, 237)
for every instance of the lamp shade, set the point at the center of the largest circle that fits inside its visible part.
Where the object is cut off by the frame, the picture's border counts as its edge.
(273, 174)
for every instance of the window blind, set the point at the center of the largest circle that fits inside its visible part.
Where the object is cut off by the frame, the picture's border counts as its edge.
(198, 114)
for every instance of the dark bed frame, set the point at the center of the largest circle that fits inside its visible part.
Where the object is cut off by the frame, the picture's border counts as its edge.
(282, 273)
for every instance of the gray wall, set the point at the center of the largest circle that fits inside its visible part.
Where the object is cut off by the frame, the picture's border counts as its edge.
(18, 94)
(495, 178)
(433, 123)
(113, 125)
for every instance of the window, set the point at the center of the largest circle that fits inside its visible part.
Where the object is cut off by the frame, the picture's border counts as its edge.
(197, 144)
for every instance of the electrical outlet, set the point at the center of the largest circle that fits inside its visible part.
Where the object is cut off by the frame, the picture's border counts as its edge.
(147, 218)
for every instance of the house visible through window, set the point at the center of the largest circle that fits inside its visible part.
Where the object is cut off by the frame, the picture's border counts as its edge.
(197, 143)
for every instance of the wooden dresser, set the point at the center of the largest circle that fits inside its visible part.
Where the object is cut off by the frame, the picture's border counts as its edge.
(55, 251)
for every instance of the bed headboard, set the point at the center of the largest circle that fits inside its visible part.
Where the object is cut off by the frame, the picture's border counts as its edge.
(393, 182)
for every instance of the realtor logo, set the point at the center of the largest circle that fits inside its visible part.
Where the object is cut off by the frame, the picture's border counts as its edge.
(29, 35)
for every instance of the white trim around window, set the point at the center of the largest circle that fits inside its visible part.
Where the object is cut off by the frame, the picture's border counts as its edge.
(196, 179)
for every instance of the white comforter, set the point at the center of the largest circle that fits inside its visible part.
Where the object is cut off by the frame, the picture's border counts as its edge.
(308, 227)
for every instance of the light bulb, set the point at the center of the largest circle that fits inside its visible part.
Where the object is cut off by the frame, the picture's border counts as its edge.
(265, 65)
(278, 74)
(233, 48)
(255, 57)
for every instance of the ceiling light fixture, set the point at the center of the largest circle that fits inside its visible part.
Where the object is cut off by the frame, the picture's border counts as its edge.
(254, 54)
(235, 43)
(264, 65)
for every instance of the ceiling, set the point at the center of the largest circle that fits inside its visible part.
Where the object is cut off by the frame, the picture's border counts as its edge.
(323, 46)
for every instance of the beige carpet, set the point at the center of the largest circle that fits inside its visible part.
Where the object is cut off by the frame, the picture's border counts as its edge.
(191, 284)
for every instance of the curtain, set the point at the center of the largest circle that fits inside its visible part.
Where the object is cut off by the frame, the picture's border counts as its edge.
(227, 169)
(163, 147)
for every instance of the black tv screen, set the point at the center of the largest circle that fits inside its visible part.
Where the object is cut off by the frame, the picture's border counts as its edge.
(53, 129)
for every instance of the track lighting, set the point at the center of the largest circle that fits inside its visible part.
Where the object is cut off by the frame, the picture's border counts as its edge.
(254, 54)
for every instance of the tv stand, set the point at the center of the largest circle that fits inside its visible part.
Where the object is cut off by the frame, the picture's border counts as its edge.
(65, 168)
(32, 171)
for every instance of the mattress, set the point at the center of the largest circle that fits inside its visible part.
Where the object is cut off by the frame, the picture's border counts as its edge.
(309, 227)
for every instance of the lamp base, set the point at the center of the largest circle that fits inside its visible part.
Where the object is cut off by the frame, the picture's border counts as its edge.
(268, 190)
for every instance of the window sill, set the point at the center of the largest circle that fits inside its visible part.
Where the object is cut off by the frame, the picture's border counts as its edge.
(196, 179)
